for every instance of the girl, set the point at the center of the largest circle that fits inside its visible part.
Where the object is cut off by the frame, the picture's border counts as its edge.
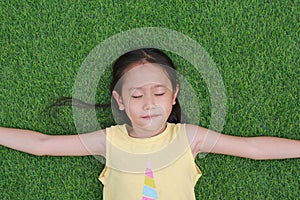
(151, 153)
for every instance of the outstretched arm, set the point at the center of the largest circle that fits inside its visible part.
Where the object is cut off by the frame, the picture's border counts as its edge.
(55, 145)
(258, 148)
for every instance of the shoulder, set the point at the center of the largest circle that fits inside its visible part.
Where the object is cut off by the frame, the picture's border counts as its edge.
(196, 136)
(116, 128)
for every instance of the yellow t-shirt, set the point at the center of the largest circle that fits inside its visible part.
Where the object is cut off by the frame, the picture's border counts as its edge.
(161, 167)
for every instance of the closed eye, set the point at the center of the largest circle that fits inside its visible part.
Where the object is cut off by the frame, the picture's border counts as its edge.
(160, 94)
(137, 96)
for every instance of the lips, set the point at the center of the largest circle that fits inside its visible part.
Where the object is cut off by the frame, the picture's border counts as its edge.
(149, 117)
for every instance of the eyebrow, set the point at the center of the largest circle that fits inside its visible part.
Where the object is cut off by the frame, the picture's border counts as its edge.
(138, 88)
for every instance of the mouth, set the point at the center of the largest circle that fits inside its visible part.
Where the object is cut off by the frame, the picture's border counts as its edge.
(150, 117)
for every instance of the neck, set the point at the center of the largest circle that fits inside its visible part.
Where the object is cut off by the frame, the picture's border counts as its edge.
(142, 132)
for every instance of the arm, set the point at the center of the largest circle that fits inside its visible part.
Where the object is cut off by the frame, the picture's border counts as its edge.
(258, 148)
(55, 145)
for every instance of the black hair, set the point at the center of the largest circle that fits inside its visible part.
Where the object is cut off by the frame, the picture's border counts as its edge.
(119, 68)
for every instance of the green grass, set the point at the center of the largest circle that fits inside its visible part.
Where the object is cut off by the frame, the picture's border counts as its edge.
(255, 46)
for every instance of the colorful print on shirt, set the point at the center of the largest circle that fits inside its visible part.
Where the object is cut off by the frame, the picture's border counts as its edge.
(149, 192)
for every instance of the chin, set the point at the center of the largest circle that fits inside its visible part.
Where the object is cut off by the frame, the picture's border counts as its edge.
(155, 125)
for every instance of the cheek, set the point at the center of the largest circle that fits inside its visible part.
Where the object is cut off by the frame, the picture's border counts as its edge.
(132, 107)
(166, 105)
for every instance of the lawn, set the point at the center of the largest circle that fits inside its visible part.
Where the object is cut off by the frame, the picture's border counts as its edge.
(254, 45)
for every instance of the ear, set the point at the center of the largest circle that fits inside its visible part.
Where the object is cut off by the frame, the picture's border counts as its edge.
(175, 93)
(118, 99)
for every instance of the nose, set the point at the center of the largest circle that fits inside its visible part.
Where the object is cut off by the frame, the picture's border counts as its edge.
(149, 102)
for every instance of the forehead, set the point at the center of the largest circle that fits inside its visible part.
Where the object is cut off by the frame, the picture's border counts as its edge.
(144, 74)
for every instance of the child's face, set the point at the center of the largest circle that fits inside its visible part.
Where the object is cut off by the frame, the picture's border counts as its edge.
(147, 96)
